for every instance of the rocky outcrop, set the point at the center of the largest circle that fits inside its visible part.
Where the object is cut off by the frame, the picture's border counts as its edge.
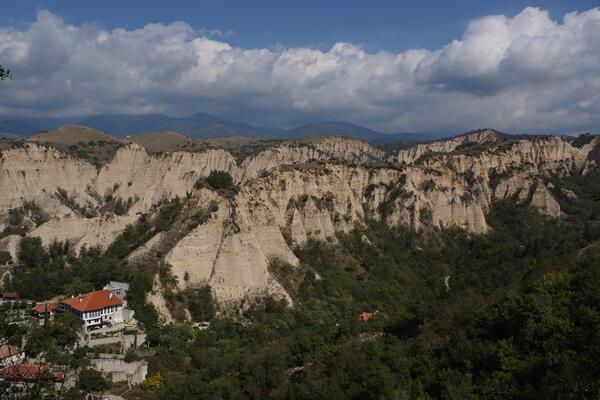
(311, 150)
(475, 176)
(10, 244)
(412, 154)
(98, 231)
(312, 202)
(287, 195)
(34, 172)
(135, 173)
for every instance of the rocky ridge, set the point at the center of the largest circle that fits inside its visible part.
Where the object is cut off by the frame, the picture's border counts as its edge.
(288, 194)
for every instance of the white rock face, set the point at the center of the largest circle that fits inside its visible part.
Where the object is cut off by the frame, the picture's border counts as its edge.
(10, 244)
(152, 178)
(288, 194)
(34, 172)
(98, 231)
(409, 156)
(318, 149)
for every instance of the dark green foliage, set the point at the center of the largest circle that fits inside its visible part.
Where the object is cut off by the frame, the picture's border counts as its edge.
(519, 320)
(582, 140)
(31, 252)
(90, 380)
(54, 338)
(586, 205)
(10, 333)
(200, 302)
(97, 153)
(5, 257)
(62, 196)
(44, 274)
(131, 356)
(168, 213)
(219, 179)
(20, 219)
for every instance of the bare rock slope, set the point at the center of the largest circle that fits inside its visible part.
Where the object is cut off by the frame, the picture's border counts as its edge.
(287, 194)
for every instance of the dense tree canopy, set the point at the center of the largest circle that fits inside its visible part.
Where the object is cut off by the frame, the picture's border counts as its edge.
(519, 320)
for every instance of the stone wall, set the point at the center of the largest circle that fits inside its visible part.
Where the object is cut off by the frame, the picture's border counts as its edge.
(115, 367)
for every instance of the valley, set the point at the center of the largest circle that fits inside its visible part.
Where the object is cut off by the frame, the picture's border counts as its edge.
(290, 240)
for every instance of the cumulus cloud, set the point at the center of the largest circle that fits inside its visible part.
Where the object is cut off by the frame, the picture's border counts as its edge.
(525, 73)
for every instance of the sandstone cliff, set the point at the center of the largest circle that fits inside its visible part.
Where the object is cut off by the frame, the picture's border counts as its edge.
(288, 194)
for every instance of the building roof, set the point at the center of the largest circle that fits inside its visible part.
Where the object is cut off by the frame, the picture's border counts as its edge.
(365, 316)
(10, 295)
(24, 372)
(93, 301)
(113, 285)
(7, 351)
(41, 308)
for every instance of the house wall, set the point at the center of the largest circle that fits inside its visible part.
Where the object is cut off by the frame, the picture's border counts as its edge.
(112, 314)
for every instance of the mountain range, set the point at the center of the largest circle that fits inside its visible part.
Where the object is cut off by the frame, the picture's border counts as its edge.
(201, 126)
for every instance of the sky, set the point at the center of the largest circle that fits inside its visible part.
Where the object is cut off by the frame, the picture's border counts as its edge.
(517, 66)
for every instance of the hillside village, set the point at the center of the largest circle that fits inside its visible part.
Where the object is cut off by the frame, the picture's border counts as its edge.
(101, 326)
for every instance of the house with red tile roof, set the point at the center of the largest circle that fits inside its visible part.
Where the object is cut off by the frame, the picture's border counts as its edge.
(41, 310)
(30, 373)
(365, 316)
(10, 296)
(95, 309)
(26, 373)
(44, 311)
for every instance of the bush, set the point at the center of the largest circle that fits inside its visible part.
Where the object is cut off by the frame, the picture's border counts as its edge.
(92, 381)
(153, 382)
(31, 253)
(201, 303)
(131, 356)
(5, 257)
(219, 179)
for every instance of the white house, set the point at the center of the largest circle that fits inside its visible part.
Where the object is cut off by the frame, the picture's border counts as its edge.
(96, 309)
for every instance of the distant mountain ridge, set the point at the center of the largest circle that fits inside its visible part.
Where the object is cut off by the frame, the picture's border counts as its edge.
(201, 126)
(354, 131)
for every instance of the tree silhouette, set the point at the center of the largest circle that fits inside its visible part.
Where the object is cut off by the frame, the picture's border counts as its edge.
(4, 73)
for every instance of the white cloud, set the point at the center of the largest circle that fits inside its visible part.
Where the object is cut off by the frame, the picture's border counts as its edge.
(520, 73)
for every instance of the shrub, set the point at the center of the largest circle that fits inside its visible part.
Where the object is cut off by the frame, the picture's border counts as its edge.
(31, 253)
(131, 356)
(92, 381)
(219, 179)
(5, 257)
(201, 303)
(153, 382)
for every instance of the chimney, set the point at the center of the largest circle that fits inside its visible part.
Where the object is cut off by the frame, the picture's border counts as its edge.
(110, 295)
(80, 299)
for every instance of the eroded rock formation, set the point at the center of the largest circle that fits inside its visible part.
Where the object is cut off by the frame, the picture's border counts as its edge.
(288, 194)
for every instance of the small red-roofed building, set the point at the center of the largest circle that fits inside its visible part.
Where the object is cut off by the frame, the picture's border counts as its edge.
(45, 309)
(26, 373)
(365, 316)
(10, 296)
(95, 309)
